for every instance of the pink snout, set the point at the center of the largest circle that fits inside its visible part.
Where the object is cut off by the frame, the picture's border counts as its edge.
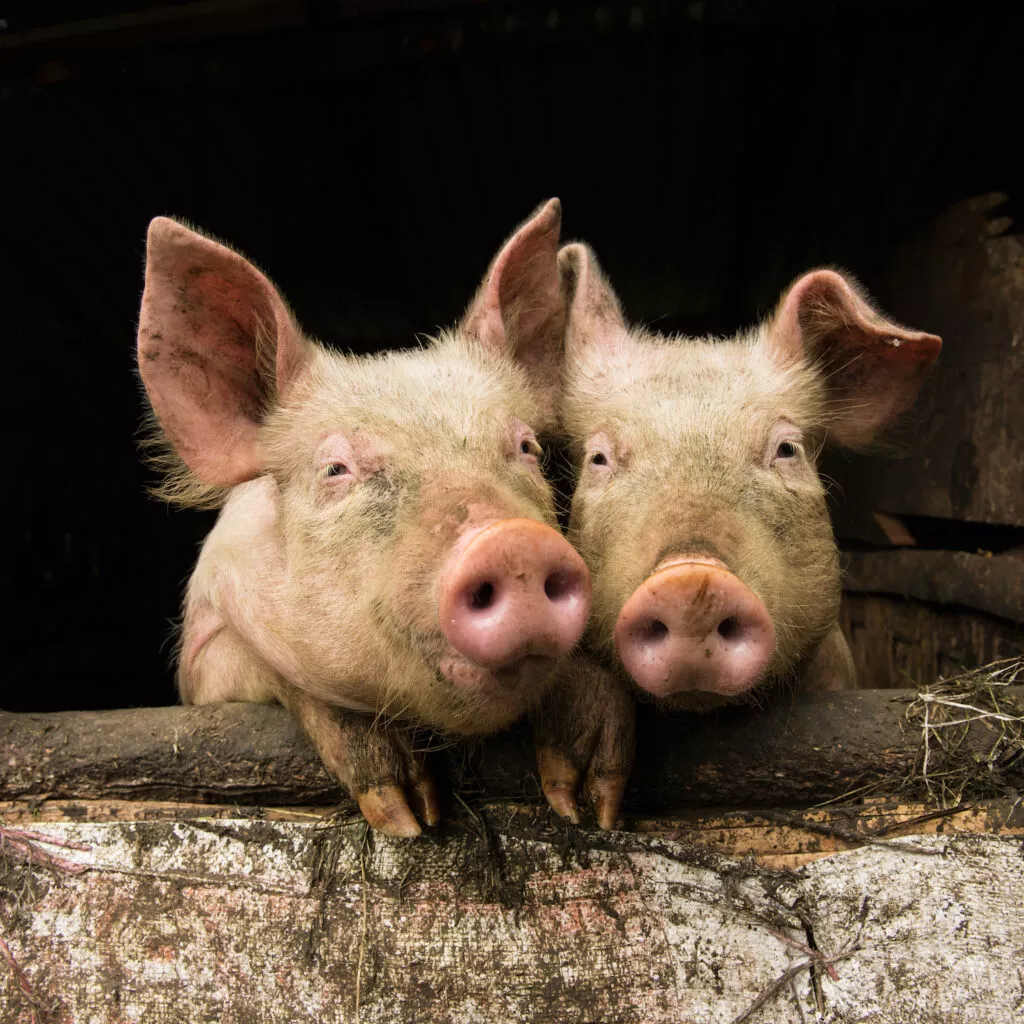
(694, 626)
(517, 589)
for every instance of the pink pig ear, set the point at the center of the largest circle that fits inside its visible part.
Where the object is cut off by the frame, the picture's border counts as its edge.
(873, 368)
(519, 308)
(596, 325)
(216, 342)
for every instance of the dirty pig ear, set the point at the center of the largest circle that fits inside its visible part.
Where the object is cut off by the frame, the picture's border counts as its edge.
(595, 325)
(519, 308)
(872, 368)
(216, 343)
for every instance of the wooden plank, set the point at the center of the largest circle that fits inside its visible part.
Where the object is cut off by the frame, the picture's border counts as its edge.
(962, 448)
(895, 641)
(776, 837)
(992, 584)
(239, 920)
(791, 838)
(799, 752)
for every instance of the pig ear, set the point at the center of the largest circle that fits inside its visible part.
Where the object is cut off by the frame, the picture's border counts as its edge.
(596, 325)
(872, 368)
(216, 342)
(519, 308)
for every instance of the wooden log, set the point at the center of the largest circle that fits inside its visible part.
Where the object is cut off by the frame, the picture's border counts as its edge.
(992, 584)
(798, 752)
(774, 837)
(241, 920)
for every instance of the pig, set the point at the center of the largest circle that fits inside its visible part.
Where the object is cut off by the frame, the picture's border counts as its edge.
(698, 506)
(387, 552)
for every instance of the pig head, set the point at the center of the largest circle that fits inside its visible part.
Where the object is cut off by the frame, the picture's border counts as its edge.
(698, 506)
(387, 549)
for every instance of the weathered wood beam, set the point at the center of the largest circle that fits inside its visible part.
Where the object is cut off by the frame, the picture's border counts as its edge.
(239, 920)
(775, 838)
(989, 583)
(204, 20)
(797, 753)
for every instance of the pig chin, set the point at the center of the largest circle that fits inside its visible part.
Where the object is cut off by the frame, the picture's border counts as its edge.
(699, 701)
(495, 697)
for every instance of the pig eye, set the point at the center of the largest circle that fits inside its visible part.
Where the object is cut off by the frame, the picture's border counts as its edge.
(787, 450)
(530, 449)
(333, 469)
(599, 459)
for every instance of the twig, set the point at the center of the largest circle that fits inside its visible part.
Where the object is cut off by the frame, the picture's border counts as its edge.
(816, 953)
(401, 884)
(783, 979)
(38, 837)
(845, 834)
(469, 810)
(23, 983)
(926, 729)
(25, 845)
(920, 819)
(362, 937)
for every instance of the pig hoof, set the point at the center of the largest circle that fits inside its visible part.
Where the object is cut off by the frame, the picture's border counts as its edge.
(560, 780)
(605, 795)
(424, 799)
(387, 810)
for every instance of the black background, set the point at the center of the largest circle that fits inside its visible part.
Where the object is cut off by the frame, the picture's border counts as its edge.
(372, 162)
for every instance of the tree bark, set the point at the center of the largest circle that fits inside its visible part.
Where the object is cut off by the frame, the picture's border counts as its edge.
(795, 754)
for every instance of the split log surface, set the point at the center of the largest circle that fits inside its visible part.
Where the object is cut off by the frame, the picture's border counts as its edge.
(797, 753)
(236, 921)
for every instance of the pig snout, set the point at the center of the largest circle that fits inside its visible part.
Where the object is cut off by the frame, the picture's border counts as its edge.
(693, 625)
(516, 589)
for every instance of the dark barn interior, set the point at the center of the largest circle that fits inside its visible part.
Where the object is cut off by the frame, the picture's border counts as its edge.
(372, 156)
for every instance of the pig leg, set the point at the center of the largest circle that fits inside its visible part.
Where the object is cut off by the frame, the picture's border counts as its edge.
(830, 668)
(370, 760)
(373, 762)
(584, 733)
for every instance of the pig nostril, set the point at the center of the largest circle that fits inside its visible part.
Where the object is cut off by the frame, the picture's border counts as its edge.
(730, 628)
(482, 597)
(657, 630)
(557, 586)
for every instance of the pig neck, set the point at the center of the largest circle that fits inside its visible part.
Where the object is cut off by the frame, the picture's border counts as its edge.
(241, 582)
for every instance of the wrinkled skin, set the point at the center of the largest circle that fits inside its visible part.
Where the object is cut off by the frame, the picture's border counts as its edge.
(359, 495)
(698, 506)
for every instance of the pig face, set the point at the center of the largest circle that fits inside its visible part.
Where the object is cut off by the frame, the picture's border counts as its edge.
(387, 540)
(698, 505)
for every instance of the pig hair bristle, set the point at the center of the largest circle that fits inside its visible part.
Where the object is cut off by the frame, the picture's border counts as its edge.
(177, 484)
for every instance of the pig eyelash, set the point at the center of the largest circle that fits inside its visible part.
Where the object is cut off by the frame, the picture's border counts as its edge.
(788, 455)
(785, 447)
